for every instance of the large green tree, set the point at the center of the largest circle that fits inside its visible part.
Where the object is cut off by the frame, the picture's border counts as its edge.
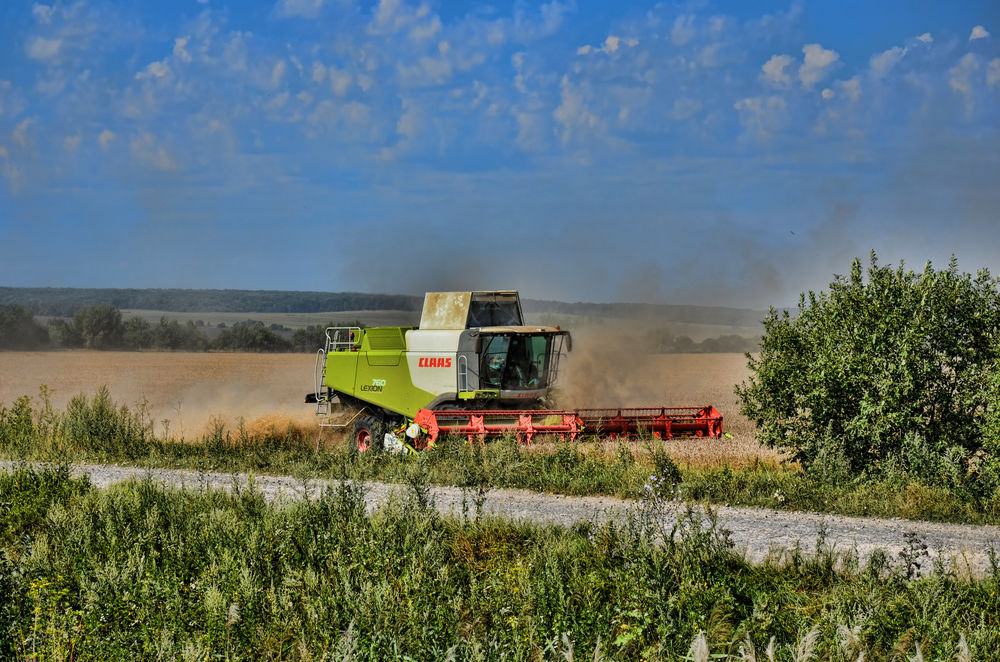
(880, 360)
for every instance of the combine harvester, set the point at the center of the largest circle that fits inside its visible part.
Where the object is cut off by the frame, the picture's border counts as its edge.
(473, 368)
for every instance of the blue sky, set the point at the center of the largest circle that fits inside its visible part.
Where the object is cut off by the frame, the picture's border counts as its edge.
(725, 153)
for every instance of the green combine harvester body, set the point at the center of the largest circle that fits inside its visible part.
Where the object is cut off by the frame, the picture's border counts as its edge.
(471, 367)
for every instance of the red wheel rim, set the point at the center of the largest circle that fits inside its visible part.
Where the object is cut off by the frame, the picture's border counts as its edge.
(364, 440)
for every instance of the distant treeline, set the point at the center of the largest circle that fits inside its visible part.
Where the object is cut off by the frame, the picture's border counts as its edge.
(662, 341)
(103, 327)
(64, 302)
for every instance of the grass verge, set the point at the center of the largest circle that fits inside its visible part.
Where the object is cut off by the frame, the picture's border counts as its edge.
(142, 572)
(98, 430)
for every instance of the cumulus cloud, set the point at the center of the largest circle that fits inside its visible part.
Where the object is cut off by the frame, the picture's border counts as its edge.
(147, 151)
(851, 88)
(340, 81)
(71, 143)
(43, 13)
(20, 133)
(993, 72)
(278, 72)
(774, 70)
(301, 8)
(318, 72)
(40, 48)
(926, 38)
(180, 49)
(762, 115)
(572, 112)
(816, 64)
(105, 138)
(158, 69)
(978, 32)
(883, 62)
(960, 80)
(827, 94)
(682, 31)
(610, 45)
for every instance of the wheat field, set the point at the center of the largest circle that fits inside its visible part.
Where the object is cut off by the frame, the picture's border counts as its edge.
(187, 393)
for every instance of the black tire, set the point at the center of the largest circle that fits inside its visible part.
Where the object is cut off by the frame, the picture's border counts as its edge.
(366, 435)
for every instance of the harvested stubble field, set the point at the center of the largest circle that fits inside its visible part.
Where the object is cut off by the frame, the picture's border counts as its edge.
(188, 393)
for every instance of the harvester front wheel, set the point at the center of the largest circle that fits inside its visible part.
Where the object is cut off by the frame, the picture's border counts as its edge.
(367, 433)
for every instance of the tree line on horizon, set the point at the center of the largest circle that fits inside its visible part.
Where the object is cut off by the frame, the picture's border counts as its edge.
(102, 326)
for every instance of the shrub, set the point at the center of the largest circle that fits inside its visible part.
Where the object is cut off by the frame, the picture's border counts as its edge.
(876, 359)
(19, 330)
(253, 337)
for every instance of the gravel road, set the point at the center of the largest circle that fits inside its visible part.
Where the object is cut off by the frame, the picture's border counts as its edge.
(757, 532)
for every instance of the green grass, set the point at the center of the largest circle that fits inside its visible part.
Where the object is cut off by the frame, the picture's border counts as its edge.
(97, 430)
(142, 572)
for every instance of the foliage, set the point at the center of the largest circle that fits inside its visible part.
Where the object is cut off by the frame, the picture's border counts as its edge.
(138, 571)
(251, 337)
(140, 334)
(99, 327)
(98, 430)
(663, 341)
(877, 358)
(19, 330)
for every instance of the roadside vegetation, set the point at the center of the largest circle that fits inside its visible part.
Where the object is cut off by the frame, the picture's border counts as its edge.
(96, 429)
(142, 572)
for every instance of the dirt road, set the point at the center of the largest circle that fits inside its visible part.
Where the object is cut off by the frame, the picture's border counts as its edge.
(756, 532)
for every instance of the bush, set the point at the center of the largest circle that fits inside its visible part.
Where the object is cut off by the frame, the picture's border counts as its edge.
(19, 330)
(253, 337)
(100, 327)
(876, 359)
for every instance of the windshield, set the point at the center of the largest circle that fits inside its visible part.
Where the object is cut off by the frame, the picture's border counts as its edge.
(515, 362)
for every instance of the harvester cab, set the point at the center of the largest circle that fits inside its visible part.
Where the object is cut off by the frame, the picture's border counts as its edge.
(472, 367)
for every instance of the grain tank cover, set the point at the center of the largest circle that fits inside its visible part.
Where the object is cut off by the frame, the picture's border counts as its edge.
(467, 310)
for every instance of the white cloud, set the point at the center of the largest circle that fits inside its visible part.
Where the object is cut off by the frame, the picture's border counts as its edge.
(147, 151)
(549, 19)
(105, 139)
(762, 115)
(302, 8)
(827, 94)
(40, 48)
(611, 45)
(979, 32)
(882, 63)
(14, 177)
(993, 72)
(43, 13)
(817, 62)
(154, 70)
(926, 38)
(318, 72)
(180, 49)
(278, 72)
(71, 143)
(851, 88)
(685, 108)
(572, 112)
(774, 70)
(682, 31)
(20, 132)
(340, 81)
(960, 80)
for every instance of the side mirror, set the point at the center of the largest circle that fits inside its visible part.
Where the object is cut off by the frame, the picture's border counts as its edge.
(569, 343)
